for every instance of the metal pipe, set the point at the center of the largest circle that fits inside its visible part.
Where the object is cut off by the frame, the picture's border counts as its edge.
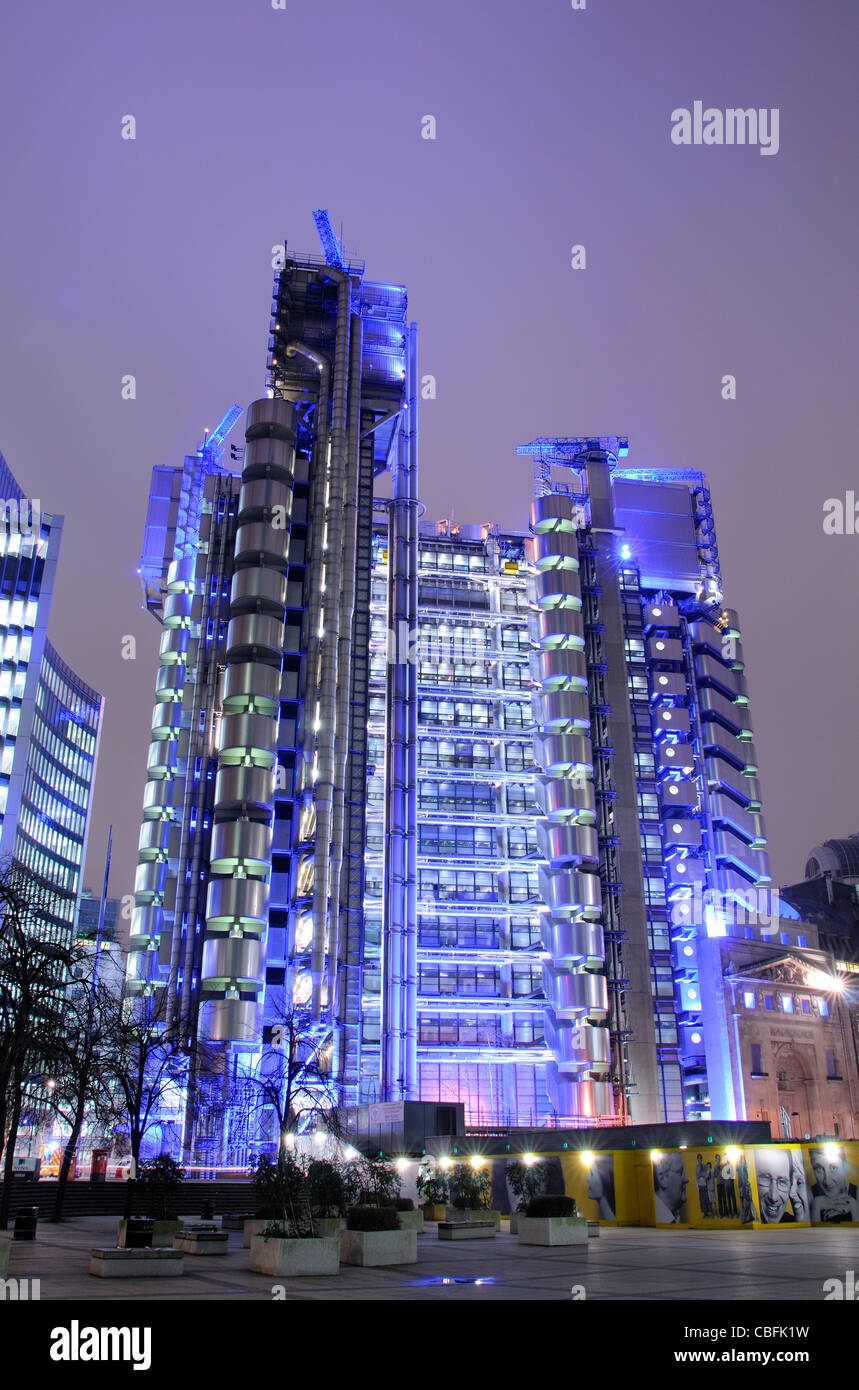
(343, 724)
(175, 942)
(327, 686)
(317, 527)
(207, 702)
(396, 692)
(410, 982)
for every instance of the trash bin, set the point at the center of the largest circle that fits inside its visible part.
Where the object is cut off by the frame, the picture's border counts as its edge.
(138, 1233)
(208, 1212)
(25, 1223)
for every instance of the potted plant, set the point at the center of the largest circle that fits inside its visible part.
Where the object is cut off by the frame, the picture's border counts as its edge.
(327, 1196)
(379, 1181)
(525, 1180)
(550, 1220)
(434, 1192)
(286, 1243)
(409, 1218)
(373, 1237)
(159, 1182)
(470, 1194)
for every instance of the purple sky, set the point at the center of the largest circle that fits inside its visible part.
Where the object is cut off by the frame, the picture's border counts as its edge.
(152, 257)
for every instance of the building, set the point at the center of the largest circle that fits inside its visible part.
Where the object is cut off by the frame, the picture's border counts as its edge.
(49, 717)
(481, 807)
(259, 575)
(89, 917)
(828, 896)
(587, 808)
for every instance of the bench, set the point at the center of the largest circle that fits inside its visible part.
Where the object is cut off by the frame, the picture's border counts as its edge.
(115, 1263)
(205, 1241)
(235, 1221)
(466, 1230)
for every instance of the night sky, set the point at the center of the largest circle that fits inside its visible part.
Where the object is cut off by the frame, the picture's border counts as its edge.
(153, 257)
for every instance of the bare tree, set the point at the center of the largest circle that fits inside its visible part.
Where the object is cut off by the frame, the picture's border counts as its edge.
(294, 1076)
(34, 971)
(81, 1088)
(145, 1058)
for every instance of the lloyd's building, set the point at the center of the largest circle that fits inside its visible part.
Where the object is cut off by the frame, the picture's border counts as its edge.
(469, 803)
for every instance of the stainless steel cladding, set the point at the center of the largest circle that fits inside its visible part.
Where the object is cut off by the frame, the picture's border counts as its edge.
(233, 964)
(567, 840)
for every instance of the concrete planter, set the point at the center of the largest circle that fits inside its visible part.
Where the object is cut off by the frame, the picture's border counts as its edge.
(327, 1225)
(288, 1257)
(434, 1211)
(379, 1247)
(411, 1221)
(552, 1230)
(473, 1214)
(252, 1228)
(5, 1247)
(162, 1234)
(202, 1242)
(235, 1221)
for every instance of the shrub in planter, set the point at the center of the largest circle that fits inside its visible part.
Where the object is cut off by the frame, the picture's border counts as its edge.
(370, 1218)
(526, 1180)
(433, 1187)
(547, 1205)
(380, 1182)
(160, 1179)
(326, 1188)
(470, 1187)
(282, 1194)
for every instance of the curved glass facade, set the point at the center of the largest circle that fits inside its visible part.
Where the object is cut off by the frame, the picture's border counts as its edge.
(53, 818)
(49, 717)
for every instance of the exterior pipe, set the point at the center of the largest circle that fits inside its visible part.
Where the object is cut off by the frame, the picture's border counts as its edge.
(179, 906)
(391, 1035)
(328, 662)
(343, 726)
(317, 527)
(411, 923)
(192, 894)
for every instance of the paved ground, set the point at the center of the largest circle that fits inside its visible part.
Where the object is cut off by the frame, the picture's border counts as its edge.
(631, 1263)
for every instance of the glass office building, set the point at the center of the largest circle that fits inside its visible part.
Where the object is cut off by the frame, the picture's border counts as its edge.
(49, 717)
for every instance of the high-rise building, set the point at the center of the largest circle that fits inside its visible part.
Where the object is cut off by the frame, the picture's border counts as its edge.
(49, 717)
(249, 893)
(479, 805)
(587, 808)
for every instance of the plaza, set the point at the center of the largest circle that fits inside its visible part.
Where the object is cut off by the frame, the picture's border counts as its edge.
(626, 1263)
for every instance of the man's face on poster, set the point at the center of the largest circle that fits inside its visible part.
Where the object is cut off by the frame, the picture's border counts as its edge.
(773, 1183)
(672, 1181)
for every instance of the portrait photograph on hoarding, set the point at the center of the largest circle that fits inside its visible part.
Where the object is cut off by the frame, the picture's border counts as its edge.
(669, 1184)
(833, 1186)
(782, 1188)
